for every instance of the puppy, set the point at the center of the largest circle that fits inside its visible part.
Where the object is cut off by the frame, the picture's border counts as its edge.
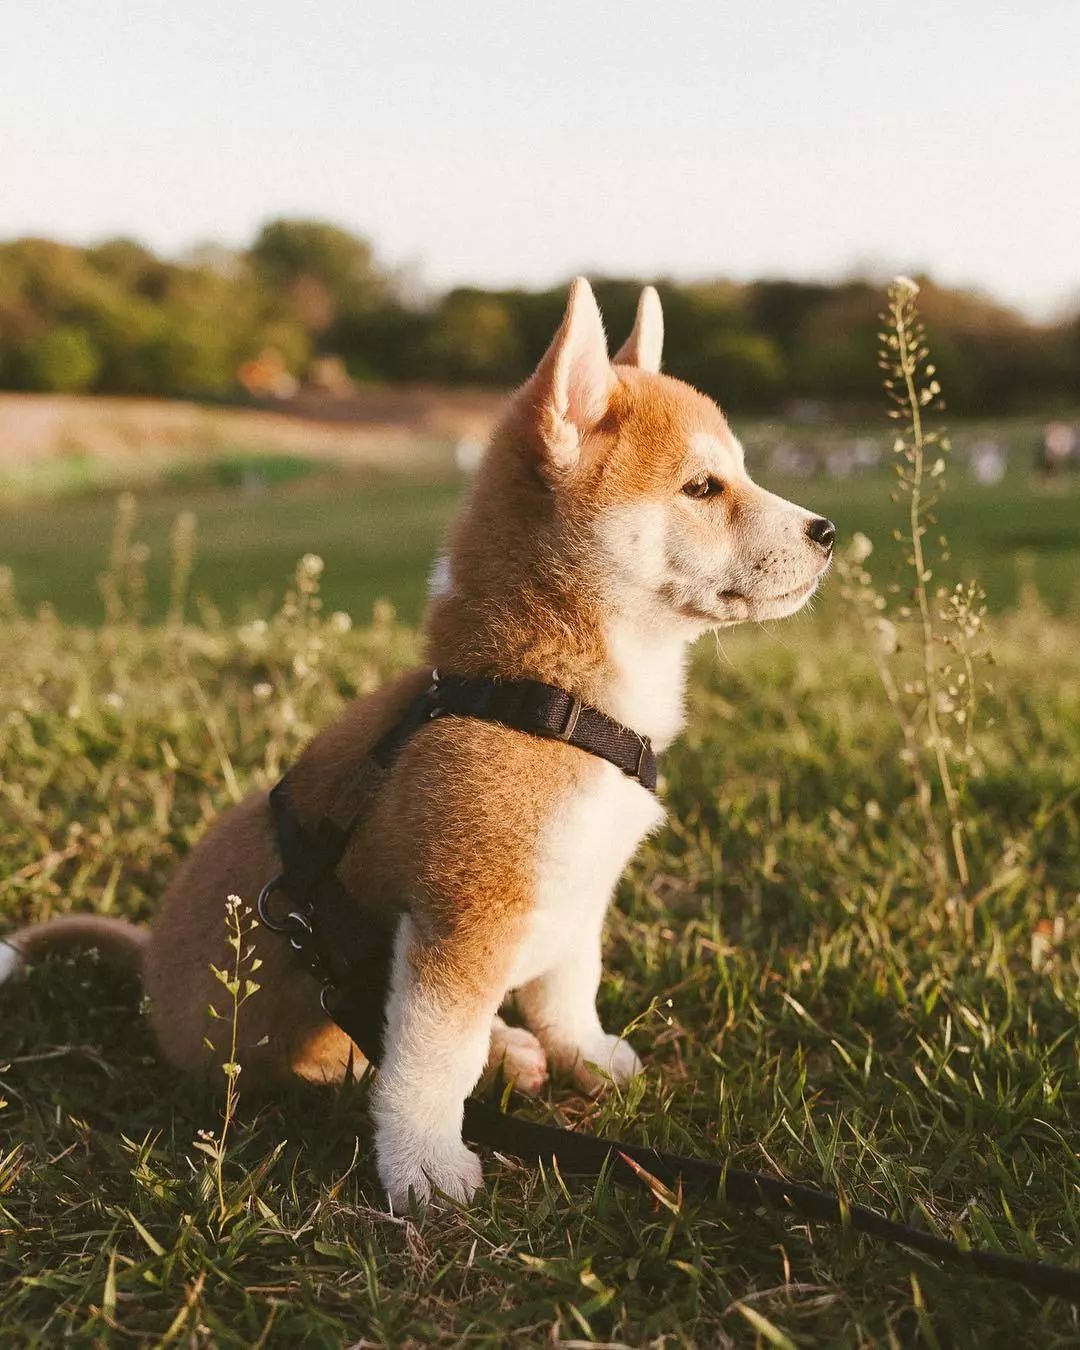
(611, 523)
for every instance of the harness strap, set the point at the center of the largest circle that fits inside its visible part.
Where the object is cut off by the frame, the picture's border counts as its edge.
(346, 946)
(352, 960)
(545, 710)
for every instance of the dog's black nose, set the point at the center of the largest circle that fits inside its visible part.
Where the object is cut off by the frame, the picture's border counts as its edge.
(822, 532)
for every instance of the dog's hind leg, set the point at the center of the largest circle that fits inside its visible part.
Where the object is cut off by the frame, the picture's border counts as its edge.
(328, 1056)
(518, 1055)
(560, 1007)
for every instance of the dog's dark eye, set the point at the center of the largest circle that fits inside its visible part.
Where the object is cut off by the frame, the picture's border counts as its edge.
(704, 485)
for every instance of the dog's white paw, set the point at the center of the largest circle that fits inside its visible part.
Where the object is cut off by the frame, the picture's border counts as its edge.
(427, 1166)
(609, 1059)
(521, 1058)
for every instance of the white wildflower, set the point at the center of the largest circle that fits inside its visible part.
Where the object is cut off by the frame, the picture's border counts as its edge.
(861, 547)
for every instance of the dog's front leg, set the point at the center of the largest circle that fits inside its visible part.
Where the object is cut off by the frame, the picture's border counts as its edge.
(560, 1007)
(438, 1031)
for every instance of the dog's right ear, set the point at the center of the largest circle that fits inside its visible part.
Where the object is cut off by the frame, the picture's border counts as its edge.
(569, 391)
(645, 345)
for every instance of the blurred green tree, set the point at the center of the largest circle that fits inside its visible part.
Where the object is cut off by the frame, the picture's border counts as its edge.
(321, 271)
(117, 318)
(741, 370)
(474, 339)
(63, 360)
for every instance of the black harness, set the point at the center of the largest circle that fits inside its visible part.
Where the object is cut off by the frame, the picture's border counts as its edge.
(352, 961)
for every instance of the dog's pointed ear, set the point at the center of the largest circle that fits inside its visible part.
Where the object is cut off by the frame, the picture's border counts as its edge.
(645, 345)
(571, 386)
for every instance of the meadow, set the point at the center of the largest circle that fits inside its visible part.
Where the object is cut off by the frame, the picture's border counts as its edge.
(811, 998)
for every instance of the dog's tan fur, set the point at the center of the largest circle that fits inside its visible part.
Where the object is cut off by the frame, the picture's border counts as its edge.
(576, 547)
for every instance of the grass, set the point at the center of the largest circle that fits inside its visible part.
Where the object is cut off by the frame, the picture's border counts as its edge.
(378, 539)
(834, 1016)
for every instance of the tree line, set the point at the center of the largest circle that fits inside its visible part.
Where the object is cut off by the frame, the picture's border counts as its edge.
(116, 318)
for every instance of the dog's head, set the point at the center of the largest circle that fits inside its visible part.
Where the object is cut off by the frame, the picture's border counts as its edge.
(646, 475)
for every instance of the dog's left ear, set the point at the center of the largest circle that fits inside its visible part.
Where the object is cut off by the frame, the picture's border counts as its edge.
(645, 345)
(569, 391)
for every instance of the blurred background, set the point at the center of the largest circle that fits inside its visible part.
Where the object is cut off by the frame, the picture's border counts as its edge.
(278, 268)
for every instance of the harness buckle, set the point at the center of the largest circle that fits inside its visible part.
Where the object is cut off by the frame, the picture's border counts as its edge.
(645, 747)
(573, 713)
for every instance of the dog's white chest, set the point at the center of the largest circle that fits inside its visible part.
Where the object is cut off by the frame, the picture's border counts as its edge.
(581, 854)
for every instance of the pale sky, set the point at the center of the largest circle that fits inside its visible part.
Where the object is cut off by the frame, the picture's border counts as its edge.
(512, 142)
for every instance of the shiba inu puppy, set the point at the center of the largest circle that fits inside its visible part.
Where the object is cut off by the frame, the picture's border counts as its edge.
(610, 524)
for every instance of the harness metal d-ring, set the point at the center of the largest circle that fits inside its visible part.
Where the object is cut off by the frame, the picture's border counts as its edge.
(285, 925)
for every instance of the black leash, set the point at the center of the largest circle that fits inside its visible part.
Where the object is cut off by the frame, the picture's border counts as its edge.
(322, 927)
(588, 1155)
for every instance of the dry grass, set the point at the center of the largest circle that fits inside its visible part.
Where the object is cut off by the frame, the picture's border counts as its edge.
(51, 443)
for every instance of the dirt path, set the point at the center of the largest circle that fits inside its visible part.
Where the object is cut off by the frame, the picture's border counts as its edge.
(371, 427)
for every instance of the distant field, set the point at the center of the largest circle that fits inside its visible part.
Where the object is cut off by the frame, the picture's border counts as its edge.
(54, 446)
(379, 535)
(377, 538)
(373, 493)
